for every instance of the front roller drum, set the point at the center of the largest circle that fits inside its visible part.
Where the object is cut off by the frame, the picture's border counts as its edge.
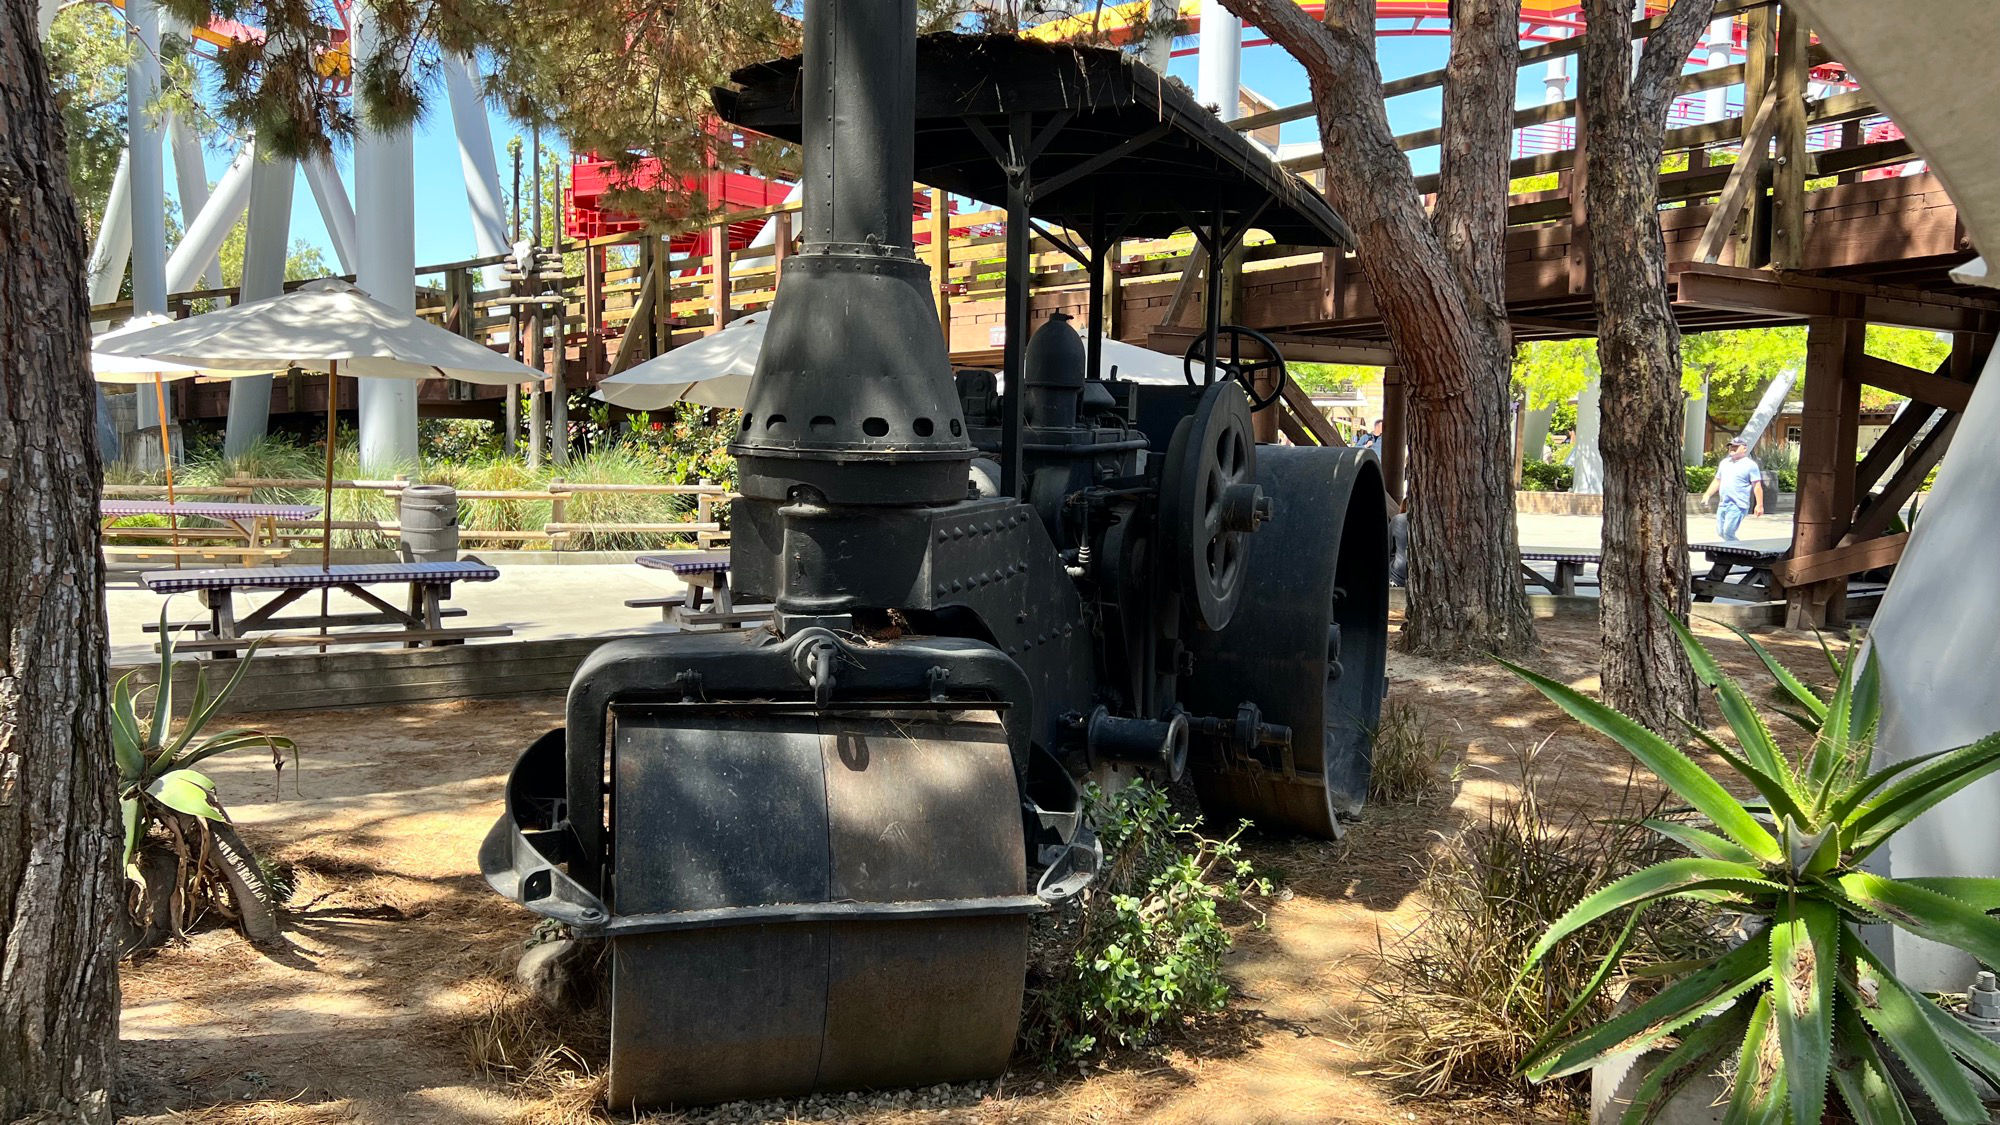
(1307, 646)
(812, 902)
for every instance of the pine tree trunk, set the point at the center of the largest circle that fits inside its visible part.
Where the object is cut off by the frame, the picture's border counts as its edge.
(1644, 569)
(1438, 285)
(58, 811)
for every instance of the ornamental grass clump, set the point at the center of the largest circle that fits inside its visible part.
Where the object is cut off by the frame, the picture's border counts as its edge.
(1802, 1006)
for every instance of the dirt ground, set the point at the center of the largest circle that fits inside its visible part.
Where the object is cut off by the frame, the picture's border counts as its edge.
(401, 956)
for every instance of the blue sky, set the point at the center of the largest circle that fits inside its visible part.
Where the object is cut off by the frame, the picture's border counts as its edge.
(444, 226)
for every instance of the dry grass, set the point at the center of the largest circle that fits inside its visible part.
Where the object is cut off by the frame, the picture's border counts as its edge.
(1410, 758)
(1448, 1018)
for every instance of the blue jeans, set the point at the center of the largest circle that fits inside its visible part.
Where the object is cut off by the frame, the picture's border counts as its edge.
(1728, 517)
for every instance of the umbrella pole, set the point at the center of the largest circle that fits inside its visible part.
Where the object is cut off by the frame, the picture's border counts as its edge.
(326, 510)
(167, 461)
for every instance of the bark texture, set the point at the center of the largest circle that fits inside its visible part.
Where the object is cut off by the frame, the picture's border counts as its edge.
(1644, 569)
(1438, 282)
(58, 810)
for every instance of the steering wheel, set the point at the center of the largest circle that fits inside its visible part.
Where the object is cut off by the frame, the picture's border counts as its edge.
(1237, 366)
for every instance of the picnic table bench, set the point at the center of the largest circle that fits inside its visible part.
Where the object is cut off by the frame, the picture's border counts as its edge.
(1755, 558)
(256, 525)
(418, 624)
(1569, 563)
(706, 574)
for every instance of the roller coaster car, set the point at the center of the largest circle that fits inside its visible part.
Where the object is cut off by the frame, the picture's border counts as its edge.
(814, 848)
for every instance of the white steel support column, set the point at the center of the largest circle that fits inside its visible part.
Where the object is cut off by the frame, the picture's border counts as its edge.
(148, 175)
(112, 251)
(1721, 38)
(475, 157)
(1219, 73)
(334, 207)
(385, 267)
(1585, 461)
(109, 255)
(266, 238)
(191, 188)
(209, 228)
(1694, 427)
(1159, 52)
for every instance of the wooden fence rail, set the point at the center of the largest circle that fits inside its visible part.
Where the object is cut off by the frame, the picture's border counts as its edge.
(556, 530)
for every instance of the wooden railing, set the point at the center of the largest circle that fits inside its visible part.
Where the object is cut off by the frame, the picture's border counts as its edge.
(557, 531)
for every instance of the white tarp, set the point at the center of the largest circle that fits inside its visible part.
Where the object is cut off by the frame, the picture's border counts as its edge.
(1931, 66)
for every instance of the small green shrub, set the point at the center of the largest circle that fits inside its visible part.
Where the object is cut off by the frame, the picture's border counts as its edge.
(1143, 954)
(1788, 480)
(1698, 478)
(1546, 476)
(456, 439)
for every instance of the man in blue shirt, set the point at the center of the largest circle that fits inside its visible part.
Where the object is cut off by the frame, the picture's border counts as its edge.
(1740, 482)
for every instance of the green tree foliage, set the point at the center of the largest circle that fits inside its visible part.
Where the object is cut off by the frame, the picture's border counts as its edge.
(1548, 372)
(626, 80)
(1325, 378)
(1737, 365)
(87, 54)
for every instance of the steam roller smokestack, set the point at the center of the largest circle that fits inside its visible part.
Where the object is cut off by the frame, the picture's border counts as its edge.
(853, 400)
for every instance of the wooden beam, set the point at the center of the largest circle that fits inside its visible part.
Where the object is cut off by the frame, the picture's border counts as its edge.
(1748, 290)
(636, 327)
(1826, 457)
(1736, 190)
(1839, 562)
(1923, 386)
(1839, 162)
(1894, 443)
(1881, 507)
(1192, 273)
(1788, 184)
(718, 260)
(1296, 346)
(1297, 407)
(1753, 234)
(940, 257)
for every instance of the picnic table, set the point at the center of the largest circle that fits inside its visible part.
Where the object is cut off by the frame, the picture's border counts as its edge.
(1755, 558)
(1569, 563)
(256, 525)
(706, 575)
(419, 623)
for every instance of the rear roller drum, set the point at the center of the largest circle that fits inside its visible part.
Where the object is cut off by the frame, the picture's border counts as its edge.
(1307, 646)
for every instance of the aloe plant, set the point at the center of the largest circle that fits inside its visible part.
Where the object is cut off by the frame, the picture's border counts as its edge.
(1803, 1005)
(160, 790)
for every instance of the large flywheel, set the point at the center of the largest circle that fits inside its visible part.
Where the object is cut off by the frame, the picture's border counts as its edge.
(1306, 648)
(1210, 503)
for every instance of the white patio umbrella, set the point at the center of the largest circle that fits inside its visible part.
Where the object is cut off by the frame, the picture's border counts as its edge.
(119, 369)
(716, 369)
(328, 326)
(713, 371)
